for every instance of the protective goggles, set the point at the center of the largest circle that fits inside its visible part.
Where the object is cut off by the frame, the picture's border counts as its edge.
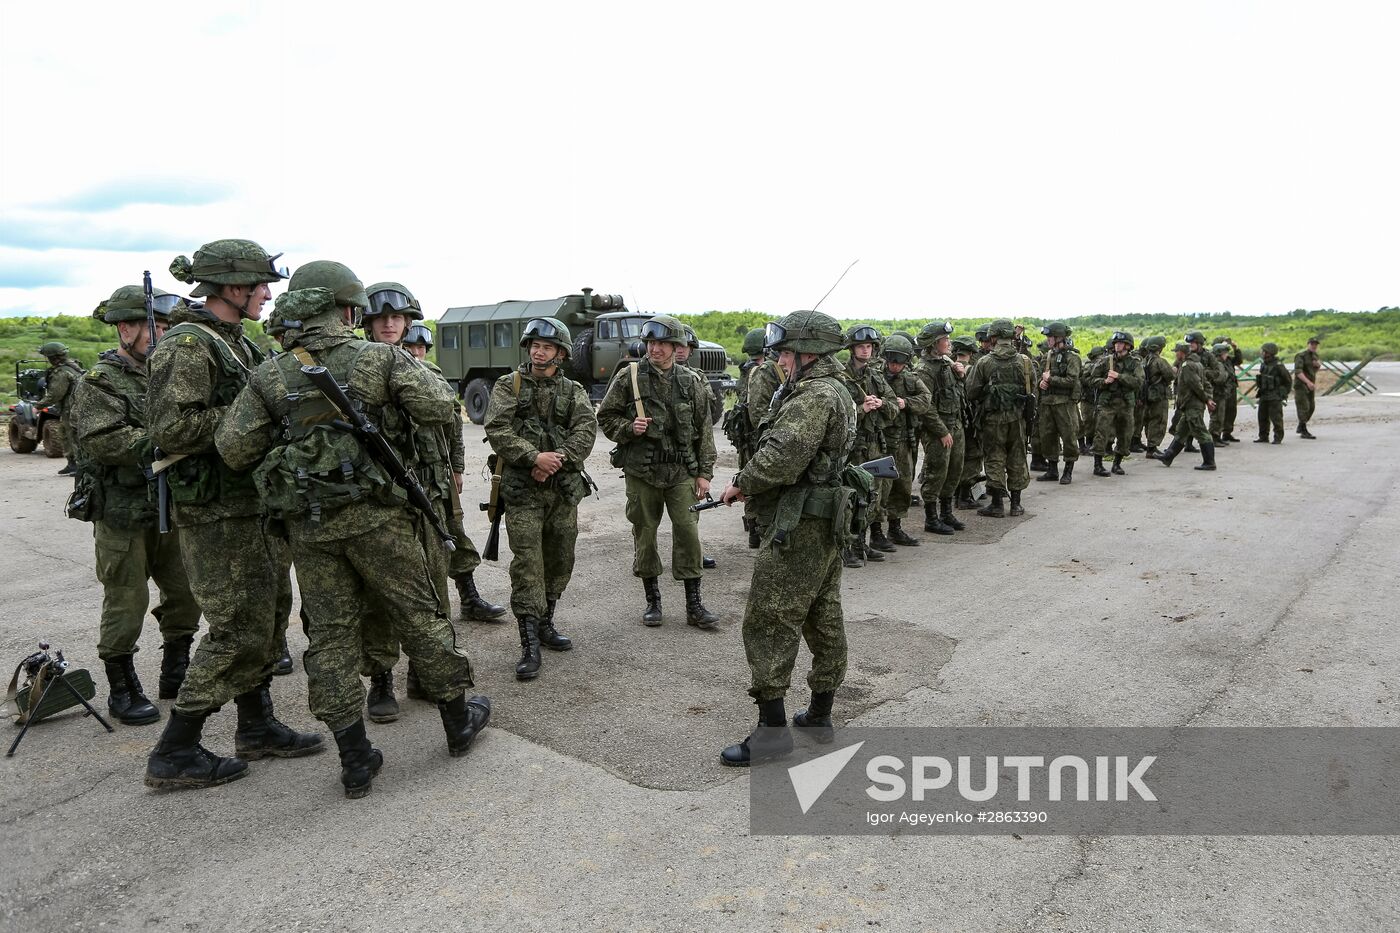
(864, 334)
(1118, 335)
(164, 304)
(419, 334)
(655, 330)
(542, 330)
(389, 302)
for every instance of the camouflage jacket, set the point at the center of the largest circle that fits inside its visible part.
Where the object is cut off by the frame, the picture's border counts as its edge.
(529, 414)
(945, 395)
(764, 380)
(61, 380)
(1271, 380)
(107, 414)
(679, 443)
(1157, 378)
(870, 425)
(918, 400)
(1306, 363)
(1124, 389)
(1192, 388)
(999, 384)
(1066, 373)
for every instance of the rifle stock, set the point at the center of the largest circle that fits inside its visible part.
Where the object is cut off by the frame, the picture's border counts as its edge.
(882, 468)
(494, 509)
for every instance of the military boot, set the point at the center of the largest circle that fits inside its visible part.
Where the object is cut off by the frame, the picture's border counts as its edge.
(1220, 441)
(283, 664)
(816, 718)
(963, 497)
(1263, 437)
(174, 661)
(652, 615)
(945, 514)
(529, 666)
(1052, 472)
(878, 540)
(550, 636)
(695, 612)
(772, 739)
(474, 608)
(1118, 467)
(462, 719)
(359, 760)
(412, 687)
(1067, 474)
(1207, 457)
(69, 468)
(1191, 445)
(126, 701)
(707, 562)
(1168, 455)
(1098, 466)
(1038, 462)
(1305, 433)
(178, 760)
(871, 554)
(899, 536)
(261, 735)
(1278, 438)
(381, 704)
(1016, 504)
(1153, 453)
(935, 523)
(993, 509)
(853, 556)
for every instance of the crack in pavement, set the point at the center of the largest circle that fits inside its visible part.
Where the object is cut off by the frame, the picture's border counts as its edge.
(10, 821)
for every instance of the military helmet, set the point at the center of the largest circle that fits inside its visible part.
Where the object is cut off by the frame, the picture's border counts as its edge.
(1122, 336)
(1269, 349)
(227, 262)
(982, 333)
(1057, 329)
(548, 329)
(930, 333)
(1219, 340)
(691, 340)
(897, 348)
(1221, 348)
(964, 344)
(1182, 347)
(1096, 352)
(301, 308)
(805, 332)
(753, 342)
(1154, 343)
(862, 333)
(391, 298)
(419, 333)
(905, 334)
(128, 303)
(343, 284)
(1195, 336)
(53, 349)
(1002, 329)
(664, 328)
(1316, 338)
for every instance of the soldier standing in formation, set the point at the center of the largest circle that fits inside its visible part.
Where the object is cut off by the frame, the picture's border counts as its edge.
(541, 426)
(795, 481)
(941, 431)
(902, 439)
(1271, 386)
(1000, 385)
(60, 379)
(195, 373)
(351, 528)
(659, 416)
(683, 353)
(1060, 388)
(876, 410)
(1230, 358)
(765, 376)
(107, 417)
(1157, 379)
(1193, 397)
(1116, 378)
(1305, 368)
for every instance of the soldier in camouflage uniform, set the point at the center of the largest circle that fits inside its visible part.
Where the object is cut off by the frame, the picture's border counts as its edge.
(659, 416)
(1305, 369)
(683, 353)
(107, 417)
(350, 526)
(1232, 359)
(876, 410)
(795, 481)
(195, 373)
(1116, 379)
(1060, 386)
(941, 429)
(1222, 420)
(541, 425)
(1088, 402)
(740, 423)
(1271, 386)
(972, 469)
(965, 352)
(440, 462)
(1157, 379)
(764, 379)
(1000, 385)
(1193, 396)
(60, 379)
(913, 398)
(276, 328)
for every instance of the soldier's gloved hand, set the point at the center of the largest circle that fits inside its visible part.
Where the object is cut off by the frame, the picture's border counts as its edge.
(731, 495)
(702, 488)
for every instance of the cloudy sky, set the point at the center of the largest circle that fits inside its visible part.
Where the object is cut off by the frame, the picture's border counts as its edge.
(1017, 157)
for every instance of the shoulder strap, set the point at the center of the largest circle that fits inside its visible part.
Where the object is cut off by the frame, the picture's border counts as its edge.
(211, 332)
(634, 367)
(304, 355)
(515, 384)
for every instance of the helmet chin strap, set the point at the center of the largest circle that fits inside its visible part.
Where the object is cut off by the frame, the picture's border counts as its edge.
(130, 350)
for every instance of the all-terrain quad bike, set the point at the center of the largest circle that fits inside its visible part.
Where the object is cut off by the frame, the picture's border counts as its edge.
(29, 424)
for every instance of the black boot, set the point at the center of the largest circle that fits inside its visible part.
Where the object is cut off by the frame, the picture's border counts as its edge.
(1278, 438)
(1207, 457)
(1067, 475)
(359, 760)
(550, 636)
(529, 666)
(69, 468)
(933, 522)
(707, 562)
(963, 497)
(993, 508)
(261, 735)
(283, 665)
(1136, 446)
(945, 514)
(899, 536)
(1168, 455)
(695, 612)
(1098, 466)
(853, 556)
(869, 552)
(474, 608)
(652, 615)
(1305, 433)
(1016, 504)
(817, 718)
(1153, 453)
(178, 760)
(174, 661)
(462, 719)
(878, 540)
(381, 704)
(1191, 446)
(1230, 436)
(1038, 462)
(412, 688)
(126, 701)
(1118, 467)
(770, 740)
(1263, 437)
(1052, 472)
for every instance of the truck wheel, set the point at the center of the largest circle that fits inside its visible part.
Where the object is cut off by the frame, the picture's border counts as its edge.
(53, 439)
(18, 442)
(581, 358)
(717, 410)
(475, 397)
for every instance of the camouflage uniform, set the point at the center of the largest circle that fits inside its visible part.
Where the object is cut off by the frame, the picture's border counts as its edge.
(61, 378)
(1271, 383)
(1059, 406)
(1157, 380)
(1229, 358)
(1306, 363)
(972, 447)
(1000, 383)
(1088, 402)
(943, 418)
(862, 380)
(1193, 391)
(1115, 406)
(902, 439)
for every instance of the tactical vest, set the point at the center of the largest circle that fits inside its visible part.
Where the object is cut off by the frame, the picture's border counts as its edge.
(202, 478)
(828, 489)
(674, 421)
(317, 468)
(1116, 391)
(544, 434)
(1154, 388)
(1006, 384)
(869, 434)
(1060, 369)
(947, 390)
(1271, 381)
(122, 496)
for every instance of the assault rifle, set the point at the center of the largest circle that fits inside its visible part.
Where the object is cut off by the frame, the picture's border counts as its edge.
(162, 484)
(494, 508)
(882, 468)
(378, 447)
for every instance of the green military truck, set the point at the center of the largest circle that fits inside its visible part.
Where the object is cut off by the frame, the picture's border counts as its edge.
(478, 344)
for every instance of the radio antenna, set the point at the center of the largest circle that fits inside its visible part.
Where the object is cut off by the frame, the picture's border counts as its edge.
(635, 300)
(833, 287)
